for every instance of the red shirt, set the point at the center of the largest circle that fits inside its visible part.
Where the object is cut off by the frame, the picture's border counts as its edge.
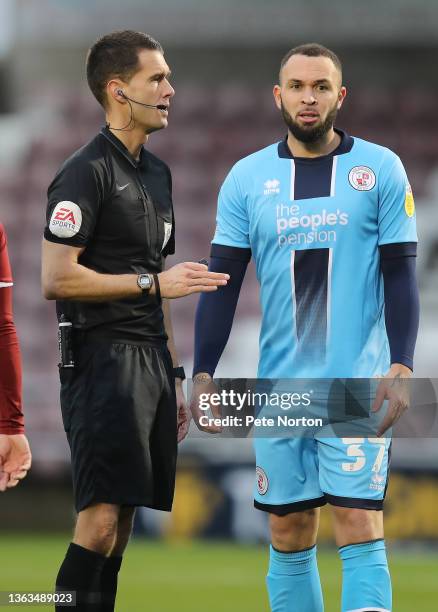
(11, 415)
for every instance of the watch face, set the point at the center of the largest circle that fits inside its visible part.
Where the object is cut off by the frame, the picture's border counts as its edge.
(145, 281)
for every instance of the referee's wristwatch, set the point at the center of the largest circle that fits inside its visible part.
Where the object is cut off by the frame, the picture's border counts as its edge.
(145, 282)
(178, 372)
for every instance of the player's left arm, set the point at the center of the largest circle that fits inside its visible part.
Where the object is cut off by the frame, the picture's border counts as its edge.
(398, 250)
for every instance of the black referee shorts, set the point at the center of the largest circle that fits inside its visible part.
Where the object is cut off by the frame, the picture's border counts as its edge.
(119, 412)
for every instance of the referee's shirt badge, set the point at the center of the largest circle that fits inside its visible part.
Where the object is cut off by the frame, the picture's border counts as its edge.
(66, 220)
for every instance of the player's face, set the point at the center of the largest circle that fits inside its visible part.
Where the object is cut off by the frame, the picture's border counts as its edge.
(309, 96)
(150, 84)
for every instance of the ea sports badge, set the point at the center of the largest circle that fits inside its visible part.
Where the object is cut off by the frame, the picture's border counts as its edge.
(362, 178)
(66, 219)
(409, 201)
(262, 481)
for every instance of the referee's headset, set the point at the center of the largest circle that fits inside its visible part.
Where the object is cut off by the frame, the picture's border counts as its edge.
(161, 107)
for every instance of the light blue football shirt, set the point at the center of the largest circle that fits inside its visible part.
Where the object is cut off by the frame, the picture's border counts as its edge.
(314, 227)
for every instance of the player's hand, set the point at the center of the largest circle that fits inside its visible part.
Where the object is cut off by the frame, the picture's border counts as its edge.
(183, 413)
(203, 383)
(189, 277)
(15, 460)
(395, 388)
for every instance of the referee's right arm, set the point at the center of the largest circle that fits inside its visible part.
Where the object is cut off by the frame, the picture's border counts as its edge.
(75, 198)
(63, 278)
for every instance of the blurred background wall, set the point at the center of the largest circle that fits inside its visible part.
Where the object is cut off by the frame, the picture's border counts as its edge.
(224, 57)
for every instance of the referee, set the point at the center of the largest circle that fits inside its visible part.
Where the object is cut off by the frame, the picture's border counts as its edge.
(110, 225)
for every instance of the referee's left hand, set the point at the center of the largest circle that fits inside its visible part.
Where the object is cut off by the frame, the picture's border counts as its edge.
(183, 413)
(393, 387)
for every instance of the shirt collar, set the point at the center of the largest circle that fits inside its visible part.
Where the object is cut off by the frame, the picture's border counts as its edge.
(118, 144)
(344, 146)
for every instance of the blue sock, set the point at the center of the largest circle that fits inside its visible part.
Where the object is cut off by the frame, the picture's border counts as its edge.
(366, 583)
(293, 581)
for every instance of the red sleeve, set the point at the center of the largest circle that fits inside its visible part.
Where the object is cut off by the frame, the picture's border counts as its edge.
(11, 415)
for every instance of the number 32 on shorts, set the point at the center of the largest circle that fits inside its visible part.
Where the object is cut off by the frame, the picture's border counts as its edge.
(355, 451)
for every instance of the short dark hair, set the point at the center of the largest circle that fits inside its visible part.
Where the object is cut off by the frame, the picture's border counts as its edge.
(116, 55)
(312, 50)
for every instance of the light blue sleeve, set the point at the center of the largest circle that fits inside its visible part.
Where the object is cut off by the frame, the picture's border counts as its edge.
(232, 222)
(396, 216)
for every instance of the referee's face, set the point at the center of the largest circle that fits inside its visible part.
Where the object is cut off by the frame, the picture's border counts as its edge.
(309, 95)
(150, 85)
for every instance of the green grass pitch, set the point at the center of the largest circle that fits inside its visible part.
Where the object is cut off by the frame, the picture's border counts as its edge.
(199, 577)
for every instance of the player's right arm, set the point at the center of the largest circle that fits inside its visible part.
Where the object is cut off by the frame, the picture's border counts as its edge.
(76, 195)
(230, 253)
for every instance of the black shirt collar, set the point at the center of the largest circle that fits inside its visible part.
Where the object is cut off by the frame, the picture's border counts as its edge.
(105, 131)
(344, 146)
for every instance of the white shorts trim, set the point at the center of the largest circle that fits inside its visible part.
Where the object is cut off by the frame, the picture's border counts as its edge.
(2, 284)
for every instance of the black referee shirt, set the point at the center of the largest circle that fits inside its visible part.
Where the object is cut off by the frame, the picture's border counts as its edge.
(121, 211)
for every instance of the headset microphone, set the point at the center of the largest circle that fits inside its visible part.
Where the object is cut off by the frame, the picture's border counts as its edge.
(161, 107)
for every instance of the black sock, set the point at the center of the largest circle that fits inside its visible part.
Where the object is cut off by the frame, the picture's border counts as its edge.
(108, 583)
(79, 572)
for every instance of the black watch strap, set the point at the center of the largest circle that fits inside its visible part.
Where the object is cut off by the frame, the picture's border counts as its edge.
(179, 373)
(157, 287)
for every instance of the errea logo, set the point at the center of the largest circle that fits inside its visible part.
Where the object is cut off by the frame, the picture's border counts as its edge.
(271, 186)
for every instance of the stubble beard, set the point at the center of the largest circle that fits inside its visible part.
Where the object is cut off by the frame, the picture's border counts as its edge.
(312, 134)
